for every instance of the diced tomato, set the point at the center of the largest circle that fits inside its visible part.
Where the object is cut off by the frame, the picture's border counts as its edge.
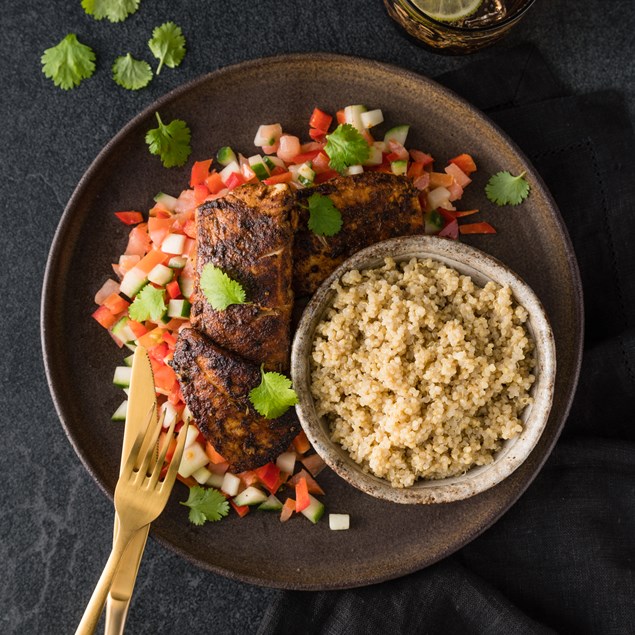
(164, 378)
(415, 170)
(189, 247)
(289, 147)
(421, 157)
(116, 303)
(477, 228)
(302, 500)
(440, 179)
(218, 468)
(159, 228)
(173, 289)
(271, 149)
(451, 230)
(305, 156)
(105, 317)
(301, 443)
(287, 510)
(189, 481)
(151, 260)
(235, 179)
(241, 510)
(159, 212)
(249, 478)
(325, 176)
(447, 214)
(340, 116)
(321, 162)
(200, 193)
(465, 162)
(285, 177)
(422, 181)
(316, 134)
(189, 229)
(200, 171)
(175, 397)
(128, 262)
(459, 176)
(214, 183)
(311, 483)
(456, 191)
(159, 351)
(269, 476)
(137, 328)
(130, 218)
(138, 241)
(320, 119)
(467, 212)
(313, 463)
(151, 338)
(212, 455)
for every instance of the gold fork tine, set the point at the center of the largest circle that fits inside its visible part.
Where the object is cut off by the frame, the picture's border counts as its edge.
(136, 446)
(156, 472)
(149, 452)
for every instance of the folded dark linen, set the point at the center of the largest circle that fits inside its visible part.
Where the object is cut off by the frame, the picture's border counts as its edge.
(563, 558)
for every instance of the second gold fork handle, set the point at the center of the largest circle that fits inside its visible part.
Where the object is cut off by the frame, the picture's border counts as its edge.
(93, 611)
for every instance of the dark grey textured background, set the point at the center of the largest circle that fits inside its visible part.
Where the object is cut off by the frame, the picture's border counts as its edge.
(55, 525)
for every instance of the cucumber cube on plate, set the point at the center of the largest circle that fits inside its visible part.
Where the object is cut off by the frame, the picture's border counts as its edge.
(122, 376)
(120, 413)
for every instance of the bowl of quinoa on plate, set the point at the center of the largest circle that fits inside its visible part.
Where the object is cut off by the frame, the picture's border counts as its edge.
(424, 370)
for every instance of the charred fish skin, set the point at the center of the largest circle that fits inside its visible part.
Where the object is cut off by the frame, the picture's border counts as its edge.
(249, 235)
(215, 385)
(375, 206)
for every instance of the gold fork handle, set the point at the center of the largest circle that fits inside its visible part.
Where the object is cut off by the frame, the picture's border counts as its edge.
(95, 606)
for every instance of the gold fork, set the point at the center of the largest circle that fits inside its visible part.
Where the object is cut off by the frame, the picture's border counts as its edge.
(139, 499)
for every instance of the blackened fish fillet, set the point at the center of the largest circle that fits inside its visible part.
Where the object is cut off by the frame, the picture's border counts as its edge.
(215, 385)
(375, 206)
(249, 235)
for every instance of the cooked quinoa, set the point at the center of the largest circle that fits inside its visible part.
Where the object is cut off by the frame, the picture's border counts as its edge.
(420, 372)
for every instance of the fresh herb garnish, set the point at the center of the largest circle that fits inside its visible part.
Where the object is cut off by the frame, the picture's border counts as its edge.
(170, 141)
(206, 504)
(219, 289)
(68, 63)
(114, 10)
(324, 218)
(148, 305)
(345, 146)
(130, 73)
(167, 45)
(505, 189)
(274, 396)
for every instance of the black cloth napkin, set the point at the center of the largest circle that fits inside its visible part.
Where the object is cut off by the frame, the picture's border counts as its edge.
(563, 558)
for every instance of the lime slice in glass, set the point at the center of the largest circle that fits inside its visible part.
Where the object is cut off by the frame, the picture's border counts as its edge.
(448, 10)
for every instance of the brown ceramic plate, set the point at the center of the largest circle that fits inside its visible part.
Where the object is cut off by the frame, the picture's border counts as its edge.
(386, 540)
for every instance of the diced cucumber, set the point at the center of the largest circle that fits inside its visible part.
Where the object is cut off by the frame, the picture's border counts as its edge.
(399, 167)
(133, 282)
(122, 376)
(228, 170)
(225, 155)
(128, 360)
(438, 197)
(173, 244)
(268, 135)
(131, 346)
(353, 115)
(122, 331)
(273, 162)
(194, 458)
(166, 201)
(230, 485)
(250, 496)
(306, 174)
(353, 169)
(160, 275)
(433, 222)
(286, 462)
(215, 480)
(372, 118)
(187, 415)
(179, 309)
(272, 504)
(171, 415)
(120, 413)
(314, 511)
(339, 522)
(375, 156)
(398, 134)
(201, 476)
(177, 262)
(191, 436)
(257, 164)
(187, 286)
(127, 392)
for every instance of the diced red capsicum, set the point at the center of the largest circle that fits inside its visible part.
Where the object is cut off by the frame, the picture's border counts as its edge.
(269, 476)
(200, 171)
(465, 162)
(241, 510)
(130, 218)
(214, 183)
(285, 177)
(320, 119)
(234, 180)
(477, 228)
(105, 317)
(301, 443)
(302, 500)
(116, 303)
(287, 510)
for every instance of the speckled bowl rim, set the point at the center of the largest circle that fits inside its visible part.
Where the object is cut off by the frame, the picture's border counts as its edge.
(482, 268)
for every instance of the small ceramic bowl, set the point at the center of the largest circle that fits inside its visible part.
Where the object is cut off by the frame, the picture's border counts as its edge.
(481, 268)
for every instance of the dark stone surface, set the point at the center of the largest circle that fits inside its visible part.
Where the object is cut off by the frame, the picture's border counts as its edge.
(56, 524)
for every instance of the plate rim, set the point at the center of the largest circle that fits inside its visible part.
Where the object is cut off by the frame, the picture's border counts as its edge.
(55, 255)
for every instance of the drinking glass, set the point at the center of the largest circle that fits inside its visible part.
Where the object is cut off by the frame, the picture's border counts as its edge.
(487, 24)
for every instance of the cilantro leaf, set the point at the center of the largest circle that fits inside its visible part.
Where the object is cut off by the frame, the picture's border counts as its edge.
(114, 10)
(68, 63)
(171, 142)
(148, 305)
(130, 73)
(167, 45)
(206, 504)
(324, 218)
(274, 396)
(219, 289)
(505, 189)
(345, 146)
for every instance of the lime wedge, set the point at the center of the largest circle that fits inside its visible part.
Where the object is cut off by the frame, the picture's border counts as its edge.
(448, 10)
